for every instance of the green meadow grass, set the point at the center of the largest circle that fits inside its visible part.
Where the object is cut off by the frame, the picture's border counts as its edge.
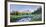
(35, 17)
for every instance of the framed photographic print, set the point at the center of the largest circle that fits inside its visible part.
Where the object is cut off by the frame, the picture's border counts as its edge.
(24, 13)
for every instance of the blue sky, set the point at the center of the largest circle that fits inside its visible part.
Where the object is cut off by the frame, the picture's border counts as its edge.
(15, 7)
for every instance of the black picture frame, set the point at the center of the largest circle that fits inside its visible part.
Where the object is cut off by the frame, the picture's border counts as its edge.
(22, 2)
